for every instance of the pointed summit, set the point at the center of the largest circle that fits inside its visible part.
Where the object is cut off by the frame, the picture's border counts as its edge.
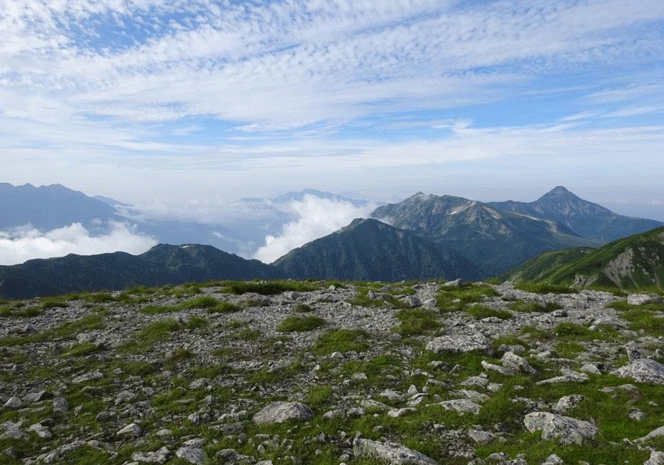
(557, 192)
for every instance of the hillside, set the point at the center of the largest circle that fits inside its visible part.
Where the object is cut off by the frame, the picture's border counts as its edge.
(629, 263)
(495, 240)
(368, 250)
(290, 372)
(163, 264)
(586, 219)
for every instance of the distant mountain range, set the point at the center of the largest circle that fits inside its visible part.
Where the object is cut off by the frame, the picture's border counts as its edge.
(494, 239)
(629, 263)
(424, 236)
(163, 264)
(585, 218)
(368, 250)
(51, 207)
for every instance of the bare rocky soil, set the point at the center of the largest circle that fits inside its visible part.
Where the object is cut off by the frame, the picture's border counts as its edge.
(332, 373)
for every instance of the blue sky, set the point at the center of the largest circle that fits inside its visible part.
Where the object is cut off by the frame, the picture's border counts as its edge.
(190, 100)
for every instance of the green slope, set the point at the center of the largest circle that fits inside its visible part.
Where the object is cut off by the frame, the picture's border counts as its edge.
(630, 263)
(496, 240)
(163, 264)
(368, 250)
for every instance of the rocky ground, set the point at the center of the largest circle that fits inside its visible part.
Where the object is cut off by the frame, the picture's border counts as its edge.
(331, 373)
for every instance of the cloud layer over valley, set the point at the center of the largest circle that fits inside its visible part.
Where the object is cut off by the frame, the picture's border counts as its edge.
(316, 217)
(22, 244)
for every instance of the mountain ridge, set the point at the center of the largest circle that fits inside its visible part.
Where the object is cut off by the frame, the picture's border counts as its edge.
(588, 219)
(369, 250)
(162, 264)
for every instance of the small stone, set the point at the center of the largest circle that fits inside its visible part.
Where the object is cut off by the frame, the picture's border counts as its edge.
(553, 459)
(355, 412)
(359, 377)
(412, 302)
(459, 344)
(131, 430)
(461, 406)
(159, 457)
(566, 403)
(396, 413)
(13, 403)
(60, 405)
(591, 368)
(636, 414)
(481, 437)
(41, 431)
(35, 397)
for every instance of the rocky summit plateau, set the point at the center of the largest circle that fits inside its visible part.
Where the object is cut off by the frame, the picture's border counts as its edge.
(322, 372)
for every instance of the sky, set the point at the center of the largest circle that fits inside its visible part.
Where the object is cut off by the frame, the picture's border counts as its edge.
(183, 101)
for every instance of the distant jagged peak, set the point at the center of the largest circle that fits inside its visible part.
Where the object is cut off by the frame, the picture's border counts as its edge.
(559, 192)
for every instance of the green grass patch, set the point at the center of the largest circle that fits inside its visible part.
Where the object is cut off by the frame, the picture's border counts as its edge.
(319, 395)
(453, 299)
(300, 323)
(82, 349)
(178, 355)
(529, 307)
(480, 311)
(268, 287)
(303, 308)
(415, 322)
(342, 340)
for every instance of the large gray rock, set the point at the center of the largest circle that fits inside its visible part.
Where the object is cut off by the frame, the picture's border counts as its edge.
(459, 344)
(643, 371)
(192, 455)
(13, 403)
(567, 430)
(159, 457)
(643, 299)
(392, 453)
(656, 458)
(278, 412)
(461, 406)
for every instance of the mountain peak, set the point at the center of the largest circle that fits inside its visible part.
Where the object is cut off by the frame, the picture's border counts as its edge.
(558, 191)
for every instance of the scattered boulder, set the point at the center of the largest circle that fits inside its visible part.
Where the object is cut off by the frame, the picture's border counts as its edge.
(643, 371)
(643, 299)
(131, 430)
(392, 453)
(459, 344)
(192, 455)
(13, 403)
(278, 412)
(656, 458)
(159, 457)
(462, 406)
(567, 430)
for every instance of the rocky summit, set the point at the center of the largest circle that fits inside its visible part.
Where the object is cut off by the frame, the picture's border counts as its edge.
(320, 372)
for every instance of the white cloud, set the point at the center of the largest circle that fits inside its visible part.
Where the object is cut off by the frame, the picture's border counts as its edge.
(22, 244)
(317, 217)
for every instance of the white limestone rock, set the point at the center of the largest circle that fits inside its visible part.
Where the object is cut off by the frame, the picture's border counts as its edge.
(392, 453)
(279, 412)
(566, 430)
